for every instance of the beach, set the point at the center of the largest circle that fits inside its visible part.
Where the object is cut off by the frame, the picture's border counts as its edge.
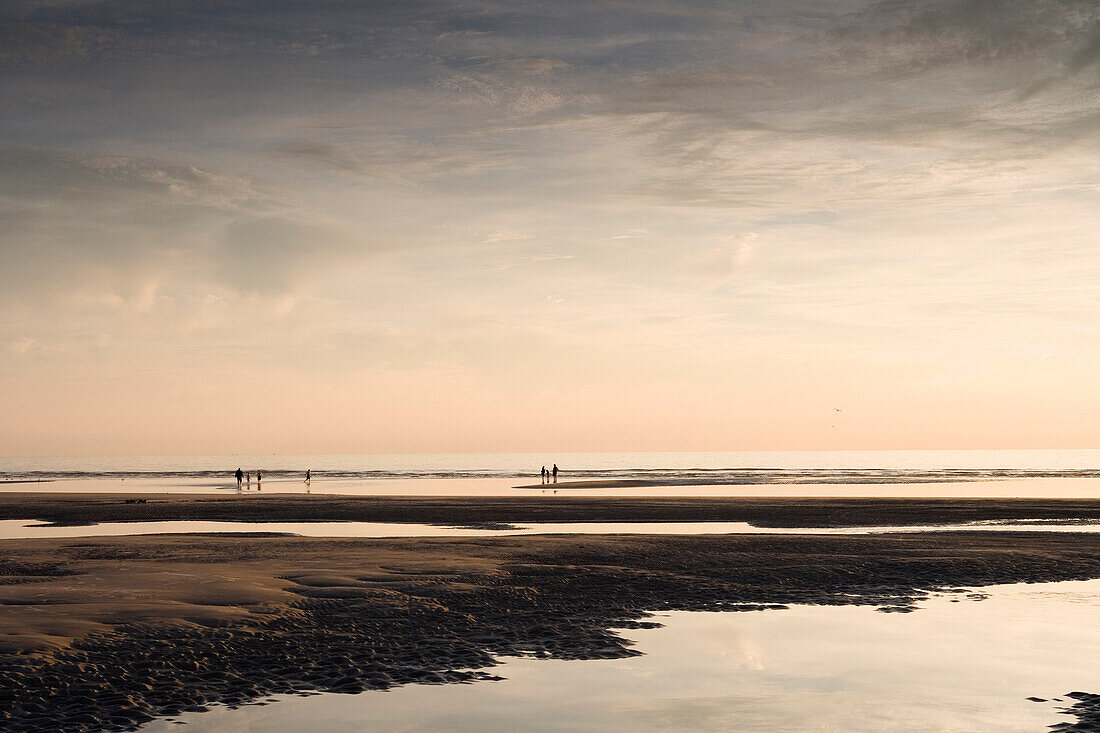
(574, 367)
(107, 633)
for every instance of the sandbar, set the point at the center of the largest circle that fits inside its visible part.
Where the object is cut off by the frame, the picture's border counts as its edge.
(810, 512)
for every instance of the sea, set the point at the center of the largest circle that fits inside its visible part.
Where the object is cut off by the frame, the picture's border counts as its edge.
(1043, 473)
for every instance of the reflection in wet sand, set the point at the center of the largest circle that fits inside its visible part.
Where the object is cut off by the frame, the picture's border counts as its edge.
(953, 666)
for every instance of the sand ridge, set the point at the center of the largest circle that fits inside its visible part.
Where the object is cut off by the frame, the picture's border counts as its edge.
(76, 508)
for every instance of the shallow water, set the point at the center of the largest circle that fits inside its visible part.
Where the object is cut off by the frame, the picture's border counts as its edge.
(955, 665)
(14, 529)
(780, 473)
(472, 487)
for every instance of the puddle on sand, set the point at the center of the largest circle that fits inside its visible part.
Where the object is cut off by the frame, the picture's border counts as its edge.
(956, 665)
(12, 529)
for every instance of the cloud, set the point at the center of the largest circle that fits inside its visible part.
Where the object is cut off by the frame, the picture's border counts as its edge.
(743, 105)
(631, 234)
(726, 258)
(1089, 52)
(326, 155)
(276, 255)
(506, 236)
(129, 187)
(1086, 55)
(490, 91)
(21, 345)
(125, 230)
(397, 158)
(892, 37)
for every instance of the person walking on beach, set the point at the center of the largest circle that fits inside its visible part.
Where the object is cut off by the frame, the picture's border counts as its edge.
(542, 474)
(259, 478)
(307, 475)
(248, 479)
(240, 477)
(555, 473)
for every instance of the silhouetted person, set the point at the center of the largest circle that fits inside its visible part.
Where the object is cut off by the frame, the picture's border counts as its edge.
(259, 478)
(240, 477)
(248, 479)
(307, 475)
(543, 473)
(555, 473)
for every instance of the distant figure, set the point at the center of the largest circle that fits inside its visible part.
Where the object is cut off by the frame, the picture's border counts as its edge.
(240, 477)
(248, 479)
(307, 475)
(543, 473)
(555, 473)
(259, 478)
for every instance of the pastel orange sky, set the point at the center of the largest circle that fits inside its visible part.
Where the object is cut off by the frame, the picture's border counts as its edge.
(488, 226)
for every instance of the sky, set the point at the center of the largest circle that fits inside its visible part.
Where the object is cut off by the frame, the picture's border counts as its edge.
(346, 226)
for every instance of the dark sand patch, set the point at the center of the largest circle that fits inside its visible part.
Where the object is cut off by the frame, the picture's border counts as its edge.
(1086, 710)
(109, 632)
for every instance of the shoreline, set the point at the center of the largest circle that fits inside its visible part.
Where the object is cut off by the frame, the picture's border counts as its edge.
(103, 634)
(635, 483)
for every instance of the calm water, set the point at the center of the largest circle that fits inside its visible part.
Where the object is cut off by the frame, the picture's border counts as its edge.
(898, 473)
(952, 666)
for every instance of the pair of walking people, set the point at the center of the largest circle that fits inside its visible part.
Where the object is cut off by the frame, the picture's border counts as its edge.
(548, 475)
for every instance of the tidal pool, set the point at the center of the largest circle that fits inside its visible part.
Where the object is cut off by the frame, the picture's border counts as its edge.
(17, 529)
(963, 662)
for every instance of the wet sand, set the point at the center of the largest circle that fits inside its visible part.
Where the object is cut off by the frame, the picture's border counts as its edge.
(812, 512)
(1086, 708)
(105, 633)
